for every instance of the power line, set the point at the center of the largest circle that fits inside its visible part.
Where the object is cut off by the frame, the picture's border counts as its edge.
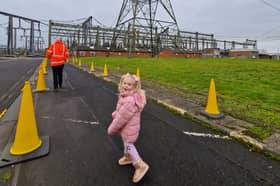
(269, 40)
(71, 21)
(269, 31)
(270, 5)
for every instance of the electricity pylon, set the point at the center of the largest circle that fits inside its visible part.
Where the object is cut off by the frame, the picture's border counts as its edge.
(139, 17)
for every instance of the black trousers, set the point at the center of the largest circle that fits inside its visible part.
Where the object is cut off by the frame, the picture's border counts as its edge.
(57, 76)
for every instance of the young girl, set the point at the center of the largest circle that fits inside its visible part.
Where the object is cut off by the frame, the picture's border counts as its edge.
(126, 122)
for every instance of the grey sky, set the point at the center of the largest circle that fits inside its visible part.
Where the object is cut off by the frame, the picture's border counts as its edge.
(231, 20)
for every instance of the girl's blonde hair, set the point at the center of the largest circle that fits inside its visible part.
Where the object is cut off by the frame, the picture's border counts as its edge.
(137, 88)
(137, 84)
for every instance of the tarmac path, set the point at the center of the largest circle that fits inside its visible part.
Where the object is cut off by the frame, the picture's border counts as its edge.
(13, 73)
(179, 151)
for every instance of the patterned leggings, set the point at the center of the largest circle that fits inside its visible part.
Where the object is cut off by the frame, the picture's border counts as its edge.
(132, 151)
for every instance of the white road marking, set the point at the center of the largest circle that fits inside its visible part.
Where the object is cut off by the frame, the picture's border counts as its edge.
(8, 60)
(29, 71)
(67, 81)
(89, 110)
(70, 85)
(205, 135)
(73, 120)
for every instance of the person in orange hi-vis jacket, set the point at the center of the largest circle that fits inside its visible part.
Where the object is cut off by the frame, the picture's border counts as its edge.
(57, 53)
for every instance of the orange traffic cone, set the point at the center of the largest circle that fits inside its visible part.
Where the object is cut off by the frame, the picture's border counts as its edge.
(26, 137)
(105, 72)
(212, 110)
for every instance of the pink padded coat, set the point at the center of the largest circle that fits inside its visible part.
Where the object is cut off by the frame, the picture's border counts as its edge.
(126, 117)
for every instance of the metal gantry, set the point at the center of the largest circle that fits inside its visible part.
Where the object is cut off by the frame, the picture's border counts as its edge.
(96, 37)
(34, 33)
(140, 27)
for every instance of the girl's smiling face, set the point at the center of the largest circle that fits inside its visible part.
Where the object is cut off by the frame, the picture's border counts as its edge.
(128, 84)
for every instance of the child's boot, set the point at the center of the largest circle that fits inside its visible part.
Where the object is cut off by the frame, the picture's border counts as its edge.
(141, 168)
(125, 160)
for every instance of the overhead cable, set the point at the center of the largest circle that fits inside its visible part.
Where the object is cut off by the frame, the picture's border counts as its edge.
(270, 5)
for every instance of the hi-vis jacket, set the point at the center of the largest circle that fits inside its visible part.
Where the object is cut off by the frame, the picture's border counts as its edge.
(57, 53)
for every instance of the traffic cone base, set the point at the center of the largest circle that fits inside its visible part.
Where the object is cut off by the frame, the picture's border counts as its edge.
(212, 116)
(7, 159)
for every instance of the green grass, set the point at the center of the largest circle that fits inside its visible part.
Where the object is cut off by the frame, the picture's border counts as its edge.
(246, 89)
(261, 132)
(6, 176)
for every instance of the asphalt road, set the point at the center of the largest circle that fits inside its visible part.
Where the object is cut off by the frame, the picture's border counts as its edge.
(82, 154)
(13, 73)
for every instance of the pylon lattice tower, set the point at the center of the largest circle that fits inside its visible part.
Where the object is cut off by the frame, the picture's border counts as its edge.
(141, 17)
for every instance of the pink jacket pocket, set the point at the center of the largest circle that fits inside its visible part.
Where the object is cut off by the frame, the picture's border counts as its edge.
(114, 114)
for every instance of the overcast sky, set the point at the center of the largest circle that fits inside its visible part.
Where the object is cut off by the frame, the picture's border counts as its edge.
(231, 20)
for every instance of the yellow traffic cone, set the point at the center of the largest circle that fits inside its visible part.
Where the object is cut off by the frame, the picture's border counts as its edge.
(44, 66)
(105, 73)
(3, 113)
(212, 109)
(41, 85)
(44, 71)
(80, 63)
(26, 137)
(73, 60)
(138, 72)
(91, 67)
